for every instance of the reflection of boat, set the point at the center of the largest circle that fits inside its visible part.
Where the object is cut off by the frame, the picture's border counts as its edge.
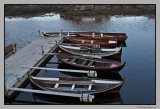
(77, 85)
(103, 36)
(87, 41)
(105, 98)
(90, 63)
(10, 49)
(91, 51)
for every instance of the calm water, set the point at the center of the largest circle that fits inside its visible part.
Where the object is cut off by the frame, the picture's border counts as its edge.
(139, 55)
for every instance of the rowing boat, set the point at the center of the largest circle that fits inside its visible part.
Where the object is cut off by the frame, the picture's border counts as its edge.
(85, 41)
(10, 49)
(77, 85)
(103, 36)
(90, 63)
(91, 51)
(90, 35)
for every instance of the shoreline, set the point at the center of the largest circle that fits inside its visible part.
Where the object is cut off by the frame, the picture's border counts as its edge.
(82, 10)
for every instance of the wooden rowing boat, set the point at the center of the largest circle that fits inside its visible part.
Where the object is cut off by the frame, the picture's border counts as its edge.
(90, 63)
(90, 35)
(91, 51)
(103, 36)
(76, 84)
(10, 49)
(85, 41)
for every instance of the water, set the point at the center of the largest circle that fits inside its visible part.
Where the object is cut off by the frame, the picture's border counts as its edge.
(139, 55)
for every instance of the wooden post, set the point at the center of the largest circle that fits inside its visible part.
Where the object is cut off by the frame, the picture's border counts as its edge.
(42, 50)
(39, 32)
(14, 49)
(60, 34)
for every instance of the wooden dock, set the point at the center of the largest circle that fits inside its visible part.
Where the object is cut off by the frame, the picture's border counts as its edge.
(30, 55)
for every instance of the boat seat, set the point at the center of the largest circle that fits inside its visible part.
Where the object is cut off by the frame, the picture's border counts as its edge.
(90, 87)
(73, 82)
(73, 86)
(83, 62)
(56, 86)
(90, 64)
(72, 60)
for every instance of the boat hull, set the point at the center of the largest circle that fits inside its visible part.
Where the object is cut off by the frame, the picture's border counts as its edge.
(116, 36)
(96, 65)
(85, 41)
(9, 50)
(113, 55)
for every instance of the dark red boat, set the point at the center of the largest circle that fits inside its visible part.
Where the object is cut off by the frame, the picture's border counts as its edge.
(10, 49)
(86, 41)
(103, 36)
(90, 63)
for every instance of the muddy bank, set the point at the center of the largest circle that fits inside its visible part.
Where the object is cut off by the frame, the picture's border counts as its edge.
(79, 10)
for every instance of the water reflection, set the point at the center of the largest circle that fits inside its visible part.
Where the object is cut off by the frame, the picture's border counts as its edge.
(104, 98)
(86, 19)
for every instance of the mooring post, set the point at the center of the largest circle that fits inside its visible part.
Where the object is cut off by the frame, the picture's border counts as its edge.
(39, 32)
(60, 34)
(42, 50)
(14, 49)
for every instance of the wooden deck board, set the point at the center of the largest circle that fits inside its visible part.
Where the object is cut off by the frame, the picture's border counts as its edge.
(27, 56)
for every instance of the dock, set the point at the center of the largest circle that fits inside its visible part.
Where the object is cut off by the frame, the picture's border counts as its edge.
(30, 55)
(29, 60)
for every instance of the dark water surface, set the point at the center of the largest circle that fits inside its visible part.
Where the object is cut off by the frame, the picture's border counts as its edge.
(139, 55)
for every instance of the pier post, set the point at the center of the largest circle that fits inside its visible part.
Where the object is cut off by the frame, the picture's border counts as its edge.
(42, 50)
(39, 32)
(60, 34)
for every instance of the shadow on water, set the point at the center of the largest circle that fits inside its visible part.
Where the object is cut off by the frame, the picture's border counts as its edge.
(104, 98)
